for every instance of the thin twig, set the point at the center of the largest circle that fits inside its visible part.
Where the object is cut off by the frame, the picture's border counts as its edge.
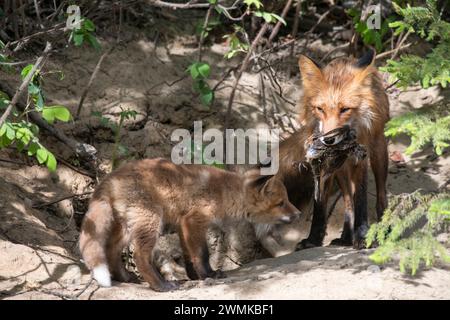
(391, 85)
(277, 27)
(319, 21)
(294, 33)
(25, 83)
(38, 14)
(400, 45)
(20, 163)
(58, 27)
(46, 204)
(343, 46)
(225, 75)
(79, 170)
(175, 6)
(241, 70)
(169, 84)
(202, 33)
(91, 80)
(387, 53)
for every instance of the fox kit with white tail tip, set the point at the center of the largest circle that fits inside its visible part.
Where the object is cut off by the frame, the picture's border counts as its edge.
(134, 203)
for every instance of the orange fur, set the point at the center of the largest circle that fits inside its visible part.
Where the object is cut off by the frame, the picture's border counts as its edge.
(346, 91)
(135, 202)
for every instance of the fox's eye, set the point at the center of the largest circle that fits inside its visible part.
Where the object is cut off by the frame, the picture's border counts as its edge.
(280, 204)
(344, 110)
(319, 109)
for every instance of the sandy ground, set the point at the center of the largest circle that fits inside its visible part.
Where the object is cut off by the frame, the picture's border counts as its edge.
(38, 253)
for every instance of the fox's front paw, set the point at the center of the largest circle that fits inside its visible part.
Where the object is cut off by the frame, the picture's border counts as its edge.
(218, 274)
(342, 242)
(306, 244)
(167, 286)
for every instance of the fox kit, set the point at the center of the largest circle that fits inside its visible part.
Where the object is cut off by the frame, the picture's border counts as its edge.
(345, 92)
(134, 203)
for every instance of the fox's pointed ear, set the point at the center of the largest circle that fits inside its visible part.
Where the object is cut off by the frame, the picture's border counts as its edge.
(255, 180)
(366, 60)
(364, 66)
(310, 71)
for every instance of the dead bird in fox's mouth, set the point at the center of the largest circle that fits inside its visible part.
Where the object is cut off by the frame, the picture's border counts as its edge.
(328, 152)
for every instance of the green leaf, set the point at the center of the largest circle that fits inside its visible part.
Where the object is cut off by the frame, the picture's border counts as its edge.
(24, 135)
(204, 70)
(93, 42)
(33, 89)
(10, 132)
(32, 148)
(78, 39)
(56, 112)
(199, 70)
(48, 115)
(4, 100)
(3, 129)
(207, 97)
(61, 113)
(20, 145)
(51, 162)
(42, 155)
(277, 17)
(39, 101)
(26, 70)
(255, 3)
(194, 71)
(88, 25)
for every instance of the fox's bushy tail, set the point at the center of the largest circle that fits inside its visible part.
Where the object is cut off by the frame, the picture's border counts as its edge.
(93, 238)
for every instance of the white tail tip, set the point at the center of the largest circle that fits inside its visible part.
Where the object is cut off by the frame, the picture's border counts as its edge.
(102, 275)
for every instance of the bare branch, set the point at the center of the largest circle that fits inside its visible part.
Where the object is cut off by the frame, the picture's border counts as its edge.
(91, 80)
(278, 24)
(202, 33)
(241, 70)
(387, 53)
(175, 6)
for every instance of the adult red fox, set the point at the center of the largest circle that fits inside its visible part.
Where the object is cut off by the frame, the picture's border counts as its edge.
(345, 92)
(134, 202)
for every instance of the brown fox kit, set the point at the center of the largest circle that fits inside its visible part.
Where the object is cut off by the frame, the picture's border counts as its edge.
(134, 203)
(345, 92)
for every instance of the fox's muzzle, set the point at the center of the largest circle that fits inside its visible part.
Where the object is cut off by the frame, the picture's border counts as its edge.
(290, 217)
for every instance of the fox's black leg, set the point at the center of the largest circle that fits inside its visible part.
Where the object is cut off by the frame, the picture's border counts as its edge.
(360, 200)
(319, 219)
(346, 238)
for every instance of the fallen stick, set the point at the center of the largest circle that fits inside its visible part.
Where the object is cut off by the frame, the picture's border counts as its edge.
(46, 204)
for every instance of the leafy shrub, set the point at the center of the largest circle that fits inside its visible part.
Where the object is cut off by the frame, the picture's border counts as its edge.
(423, 126)
(434, 69)
(408, 231)
(22, 134)
(199, 72)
